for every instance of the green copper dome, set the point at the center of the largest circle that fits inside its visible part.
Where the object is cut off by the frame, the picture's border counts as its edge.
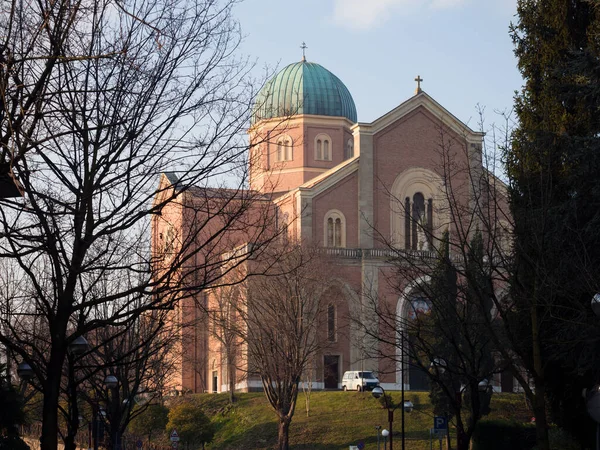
(304, 88)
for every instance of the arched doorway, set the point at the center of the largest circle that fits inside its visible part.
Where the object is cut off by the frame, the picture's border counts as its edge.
(410, 306)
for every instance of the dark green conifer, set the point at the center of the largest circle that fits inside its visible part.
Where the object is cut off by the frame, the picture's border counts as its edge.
(554, 172)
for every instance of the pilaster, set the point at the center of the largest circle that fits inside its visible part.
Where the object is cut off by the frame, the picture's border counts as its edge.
(369, 316)
(304, 207)
(364, 143)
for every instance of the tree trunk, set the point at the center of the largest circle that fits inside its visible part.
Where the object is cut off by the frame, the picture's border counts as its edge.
(70, 442)
(539, 398)
(49, 438)
(541, 421)
(463, 440)
(284, 434)
(232, 380)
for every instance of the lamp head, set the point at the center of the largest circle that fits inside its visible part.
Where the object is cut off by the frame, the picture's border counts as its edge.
(25, 371)
(408, 406)
(593, 403)
(385, 433)
(111, 381)
(439, 364)
(377, 392)
(483, 385)
(79, 346)
(596, 304)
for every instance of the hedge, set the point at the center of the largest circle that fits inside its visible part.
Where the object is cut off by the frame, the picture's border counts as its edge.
(502, 435)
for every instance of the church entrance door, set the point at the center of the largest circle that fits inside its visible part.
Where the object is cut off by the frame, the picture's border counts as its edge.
(215, 381)
(331, 371)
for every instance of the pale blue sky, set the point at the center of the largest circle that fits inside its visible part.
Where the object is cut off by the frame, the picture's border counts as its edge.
(461, 48)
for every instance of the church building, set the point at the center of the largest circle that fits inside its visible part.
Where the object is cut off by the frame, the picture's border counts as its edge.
(354, 189)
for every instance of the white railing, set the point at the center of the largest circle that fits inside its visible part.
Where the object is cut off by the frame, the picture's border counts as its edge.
(384, 253)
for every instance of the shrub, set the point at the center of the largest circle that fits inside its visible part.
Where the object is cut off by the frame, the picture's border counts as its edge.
(560, 439)
(152, 420)
(503, 434)
(192, 425)
(13, 443)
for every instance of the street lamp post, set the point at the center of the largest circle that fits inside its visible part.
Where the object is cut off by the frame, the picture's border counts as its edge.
(112, 383)
(592, 396)
(76, 348)
(385, 433)
(406, 406)
(592, 401)
(25, 373)
(377, 428)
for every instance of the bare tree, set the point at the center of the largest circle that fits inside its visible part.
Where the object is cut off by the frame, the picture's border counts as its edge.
(452, 275)
(98, 99)
(226, 329)
(140, 357)
(281, 316)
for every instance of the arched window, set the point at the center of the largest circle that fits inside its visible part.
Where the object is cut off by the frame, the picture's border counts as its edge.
(349, 149)
(335, 229)
(418, 209)
(323, 147)
(284, 149)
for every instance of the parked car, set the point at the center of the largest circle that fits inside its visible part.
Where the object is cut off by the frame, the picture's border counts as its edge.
(355, 380)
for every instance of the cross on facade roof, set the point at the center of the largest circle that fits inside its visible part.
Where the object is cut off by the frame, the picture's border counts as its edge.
(303, 47)
(418, 80)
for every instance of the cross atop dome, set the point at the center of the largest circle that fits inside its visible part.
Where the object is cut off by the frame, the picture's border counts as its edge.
(303, 47)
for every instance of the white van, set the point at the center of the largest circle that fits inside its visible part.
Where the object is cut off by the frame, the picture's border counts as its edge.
(355, 380)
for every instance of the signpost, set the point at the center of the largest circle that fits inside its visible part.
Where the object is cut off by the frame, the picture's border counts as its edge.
(440, 423)
(174, 438)
(440, 426)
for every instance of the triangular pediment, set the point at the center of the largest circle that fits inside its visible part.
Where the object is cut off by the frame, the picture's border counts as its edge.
(421, 100)
(325, 181)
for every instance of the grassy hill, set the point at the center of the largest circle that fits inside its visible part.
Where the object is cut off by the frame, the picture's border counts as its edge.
(336, 420)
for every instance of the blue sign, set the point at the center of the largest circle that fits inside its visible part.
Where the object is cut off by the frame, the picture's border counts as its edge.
(139, 443)
(440, 423)
(361, 445)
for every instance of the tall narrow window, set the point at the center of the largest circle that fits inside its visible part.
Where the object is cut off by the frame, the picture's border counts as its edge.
(335, 229)
(331, 323)
(323, 147)
(407, 242)
(349, 149)
(430, 222)
(284, 149)
(421, 222)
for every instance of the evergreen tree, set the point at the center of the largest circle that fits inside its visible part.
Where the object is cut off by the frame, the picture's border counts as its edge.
(553, 167)
(11, 414)
(452, 339)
